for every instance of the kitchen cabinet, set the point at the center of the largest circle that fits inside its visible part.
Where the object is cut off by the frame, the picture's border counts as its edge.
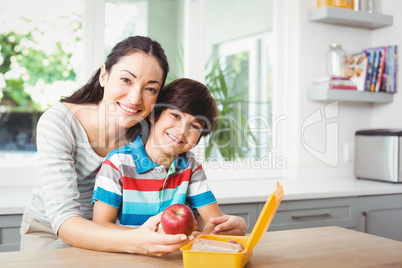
(315, 213)
(378, 215)
(10, 232)
(381, 215)
(298, 214)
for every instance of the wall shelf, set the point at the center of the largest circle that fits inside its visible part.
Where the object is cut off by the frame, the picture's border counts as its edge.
(349, 95)
(349, 17)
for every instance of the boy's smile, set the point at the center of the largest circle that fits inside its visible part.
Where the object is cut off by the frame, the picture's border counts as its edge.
(174, 138)
(172, 134)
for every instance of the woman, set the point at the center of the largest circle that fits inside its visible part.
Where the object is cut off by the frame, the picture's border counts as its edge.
(76, 134)
(73, 137)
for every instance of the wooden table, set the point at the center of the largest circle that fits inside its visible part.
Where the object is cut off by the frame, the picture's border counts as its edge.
(314, 247)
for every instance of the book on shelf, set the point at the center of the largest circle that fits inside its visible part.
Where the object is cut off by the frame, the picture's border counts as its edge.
(374, 69)
(325, 83)
(386, 79)
(381, 69)
(357, 65)
(370, 57)
(391, 63)
(387, 70)
(374, 56)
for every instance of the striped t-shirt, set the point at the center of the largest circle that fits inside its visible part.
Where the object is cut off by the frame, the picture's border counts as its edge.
(67, 169)
(139, 188)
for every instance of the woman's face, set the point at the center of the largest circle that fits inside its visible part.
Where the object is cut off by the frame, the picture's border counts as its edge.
(131, 88)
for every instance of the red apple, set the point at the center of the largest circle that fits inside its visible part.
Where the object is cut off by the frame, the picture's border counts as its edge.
(178, 219)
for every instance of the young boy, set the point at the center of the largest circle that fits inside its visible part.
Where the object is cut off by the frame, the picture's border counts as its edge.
(138, 181)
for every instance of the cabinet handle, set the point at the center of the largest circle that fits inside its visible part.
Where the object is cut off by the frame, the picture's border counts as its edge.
(365, 215)
(323, 215)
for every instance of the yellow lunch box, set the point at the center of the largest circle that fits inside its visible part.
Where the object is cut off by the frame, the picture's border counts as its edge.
(202, 259)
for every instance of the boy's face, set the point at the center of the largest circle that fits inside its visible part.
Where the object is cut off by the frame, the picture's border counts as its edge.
(175, 132)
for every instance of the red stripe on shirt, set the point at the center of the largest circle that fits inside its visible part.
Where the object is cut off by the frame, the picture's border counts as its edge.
(141, 184)
(174, 181)
(110, 163)
(199, 168)
(155, 185)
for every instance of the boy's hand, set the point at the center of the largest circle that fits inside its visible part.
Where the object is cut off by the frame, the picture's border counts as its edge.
(195, 234)
(229, 225)
(149, 239)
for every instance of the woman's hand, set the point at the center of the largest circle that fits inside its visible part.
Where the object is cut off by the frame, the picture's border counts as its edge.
(149, 240)
(228, 225)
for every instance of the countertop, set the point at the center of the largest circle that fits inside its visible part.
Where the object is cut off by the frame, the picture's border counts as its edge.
(310, 247)
(14, 199)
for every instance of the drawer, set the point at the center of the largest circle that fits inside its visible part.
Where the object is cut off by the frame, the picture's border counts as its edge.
(315, 213)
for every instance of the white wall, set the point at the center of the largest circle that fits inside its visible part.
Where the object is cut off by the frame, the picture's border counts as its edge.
(303, 49)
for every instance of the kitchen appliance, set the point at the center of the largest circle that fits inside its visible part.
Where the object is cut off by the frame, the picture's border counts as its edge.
(378, 155)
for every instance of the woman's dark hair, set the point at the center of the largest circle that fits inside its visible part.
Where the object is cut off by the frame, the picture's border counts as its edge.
(191, 97)
(92, 92)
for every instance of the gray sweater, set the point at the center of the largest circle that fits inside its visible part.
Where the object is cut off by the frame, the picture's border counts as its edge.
(67, 166)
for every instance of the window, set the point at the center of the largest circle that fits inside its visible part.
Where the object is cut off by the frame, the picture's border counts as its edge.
(245, 109)
(69, 40)
(39, 60)
(239, 35)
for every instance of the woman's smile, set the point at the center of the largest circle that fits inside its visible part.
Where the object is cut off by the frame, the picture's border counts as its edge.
(129, 110)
